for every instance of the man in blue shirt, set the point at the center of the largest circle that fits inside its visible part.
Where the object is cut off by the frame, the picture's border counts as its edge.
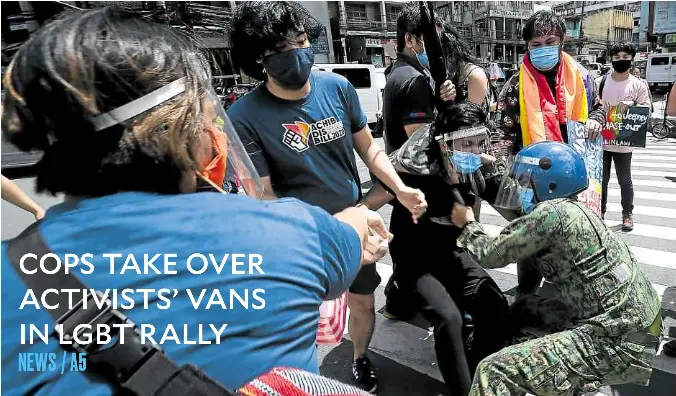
(301, 129)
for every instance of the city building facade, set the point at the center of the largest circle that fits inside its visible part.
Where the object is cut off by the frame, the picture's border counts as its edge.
(592, 26)
(662, 15)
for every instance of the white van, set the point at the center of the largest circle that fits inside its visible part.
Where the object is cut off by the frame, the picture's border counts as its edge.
(660, 70)
(595, 69)
(364, 80)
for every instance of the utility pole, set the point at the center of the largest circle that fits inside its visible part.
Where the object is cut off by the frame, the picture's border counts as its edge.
(581, 38)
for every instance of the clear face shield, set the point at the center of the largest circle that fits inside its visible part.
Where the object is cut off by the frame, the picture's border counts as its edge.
(515, 193)
(230, 169)
(226, 167)
(463, 156)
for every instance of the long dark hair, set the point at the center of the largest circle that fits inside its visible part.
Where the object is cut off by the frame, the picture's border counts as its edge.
(456, 51)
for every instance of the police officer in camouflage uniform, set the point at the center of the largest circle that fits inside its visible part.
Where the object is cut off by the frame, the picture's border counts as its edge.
(615, 309)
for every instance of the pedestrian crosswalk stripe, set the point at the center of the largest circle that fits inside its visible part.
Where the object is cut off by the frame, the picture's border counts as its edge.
(651, 231)
(669, 197)
(644, 256)
(385, 272)
(644, 210)
(655, 258)
(654, 152)
(664, 146)
(658, 165)
(610, 207)
(648, 183)
(647, 172)
(640, 229)
(648, 157)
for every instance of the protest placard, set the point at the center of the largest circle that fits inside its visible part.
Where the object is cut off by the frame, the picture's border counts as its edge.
(626, 126)
(592, 154)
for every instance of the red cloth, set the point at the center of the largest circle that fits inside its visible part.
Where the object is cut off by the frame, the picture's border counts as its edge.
(553, 111)
(285, 381)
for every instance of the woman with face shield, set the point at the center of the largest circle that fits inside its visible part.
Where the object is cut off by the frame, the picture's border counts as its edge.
(447, 157)
(131, 129)
(616, 315)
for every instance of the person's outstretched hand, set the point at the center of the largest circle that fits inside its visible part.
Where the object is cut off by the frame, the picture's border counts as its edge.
(461, 215)
(593, 129)
(39, 214)
(378, 239)
(413, 200)
(447, 91)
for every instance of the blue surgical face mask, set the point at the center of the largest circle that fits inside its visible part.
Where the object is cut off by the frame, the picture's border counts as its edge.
(422, 57)
(545, 57)
(466, 163)
(527, 203)
(291, 69)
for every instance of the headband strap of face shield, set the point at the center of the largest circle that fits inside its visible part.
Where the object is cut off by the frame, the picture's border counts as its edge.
(466, 133)
(139, 106)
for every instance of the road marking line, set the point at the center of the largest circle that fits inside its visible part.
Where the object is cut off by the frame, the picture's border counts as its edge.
(648, 183)
(611, 207)
(655, 258)
(641, 172)
(653, 146)
(669, 197)
(658, 165)
(640, 229)
(644, 210)
(654, 152)
(650, 158)
(651, 231)
(385, 272)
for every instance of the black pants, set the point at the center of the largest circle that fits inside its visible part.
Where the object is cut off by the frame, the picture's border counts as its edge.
(426, 260)
(623, 171)
(448, 337)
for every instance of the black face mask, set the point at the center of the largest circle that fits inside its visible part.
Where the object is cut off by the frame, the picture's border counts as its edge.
(621, 66)
(291, 69)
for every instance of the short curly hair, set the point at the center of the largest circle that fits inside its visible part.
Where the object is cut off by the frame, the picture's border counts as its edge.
(87, 63)
(543, 23)
(623, 46)
(258, 26)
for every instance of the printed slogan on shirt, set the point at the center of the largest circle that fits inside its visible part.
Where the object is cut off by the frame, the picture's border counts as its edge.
(300, 135)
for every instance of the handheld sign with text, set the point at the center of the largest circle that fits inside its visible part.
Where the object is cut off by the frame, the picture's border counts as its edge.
(626, 126)
(592, 154)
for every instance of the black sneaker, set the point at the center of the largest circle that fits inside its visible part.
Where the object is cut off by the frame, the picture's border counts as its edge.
(362, 369)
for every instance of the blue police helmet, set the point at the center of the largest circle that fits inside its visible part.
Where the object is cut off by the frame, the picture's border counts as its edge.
(555, 170)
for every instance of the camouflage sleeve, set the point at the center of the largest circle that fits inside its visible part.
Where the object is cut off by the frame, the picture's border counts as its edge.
(522, 238)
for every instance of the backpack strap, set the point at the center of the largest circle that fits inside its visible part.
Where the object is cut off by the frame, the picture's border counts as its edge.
(601, 85)
(135, 368)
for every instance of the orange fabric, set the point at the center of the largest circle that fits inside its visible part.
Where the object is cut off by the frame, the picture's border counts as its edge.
(215, 169)
(541, 124)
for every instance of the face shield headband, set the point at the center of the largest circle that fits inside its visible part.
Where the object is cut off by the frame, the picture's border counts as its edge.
(230, 164)
(461, 154)
(139, 106)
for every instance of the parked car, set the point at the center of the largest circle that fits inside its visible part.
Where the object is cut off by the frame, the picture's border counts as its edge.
(595, 69)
